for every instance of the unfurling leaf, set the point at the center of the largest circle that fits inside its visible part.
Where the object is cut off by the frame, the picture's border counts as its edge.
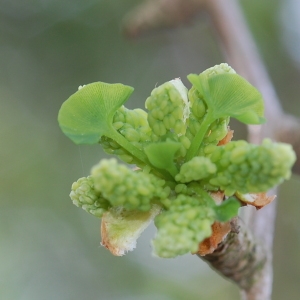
(230, 95)
(88, 114)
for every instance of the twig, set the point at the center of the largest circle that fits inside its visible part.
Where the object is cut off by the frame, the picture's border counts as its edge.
(239, 258)
(243, 55)
(154, 15)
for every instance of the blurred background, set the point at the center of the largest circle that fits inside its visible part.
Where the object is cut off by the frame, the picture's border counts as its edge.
(49, 249)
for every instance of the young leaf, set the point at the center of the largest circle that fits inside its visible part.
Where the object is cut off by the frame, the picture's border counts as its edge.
(227, 210)
(161, 155)
(88, 114)
(230, 95)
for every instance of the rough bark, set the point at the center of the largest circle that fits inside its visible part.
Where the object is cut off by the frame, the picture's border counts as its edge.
(239, 258)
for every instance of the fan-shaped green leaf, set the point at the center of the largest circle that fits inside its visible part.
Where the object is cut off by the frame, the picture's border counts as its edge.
(230, 95)
(88, 114)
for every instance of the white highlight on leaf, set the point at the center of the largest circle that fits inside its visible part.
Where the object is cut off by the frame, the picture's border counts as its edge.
(184, 95)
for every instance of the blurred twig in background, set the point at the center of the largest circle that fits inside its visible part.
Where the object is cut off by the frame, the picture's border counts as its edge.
(255, 280)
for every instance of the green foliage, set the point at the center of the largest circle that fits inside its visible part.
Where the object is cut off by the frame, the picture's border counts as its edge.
(87, 115)
(176, 147)
(215, 132)
(226, 94)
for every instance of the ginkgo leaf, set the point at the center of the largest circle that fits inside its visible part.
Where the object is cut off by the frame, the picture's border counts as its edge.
(88, 113)
(226, 95)
(230, 95)
(161, 155)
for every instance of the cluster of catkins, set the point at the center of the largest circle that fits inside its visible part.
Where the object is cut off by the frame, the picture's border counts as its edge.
(175, 114)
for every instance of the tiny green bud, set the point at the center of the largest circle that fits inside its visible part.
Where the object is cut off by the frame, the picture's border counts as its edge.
(182, 227)
(84, 195)
(196, 169)
(168, 108)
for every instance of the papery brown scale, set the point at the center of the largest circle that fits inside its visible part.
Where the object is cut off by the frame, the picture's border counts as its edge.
(219, 233)
(227, 138)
